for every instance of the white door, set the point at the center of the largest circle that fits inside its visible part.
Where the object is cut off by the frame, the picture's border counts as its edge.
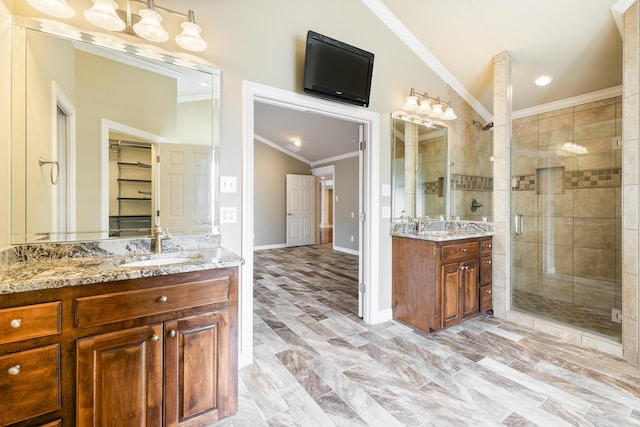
(362, 202)
(300, 210)
(184, 179)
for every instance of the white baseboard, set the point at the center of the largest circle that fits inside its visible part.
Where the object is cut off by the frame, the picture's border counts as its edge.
(345, 250)
(265, 247)
(384, 315)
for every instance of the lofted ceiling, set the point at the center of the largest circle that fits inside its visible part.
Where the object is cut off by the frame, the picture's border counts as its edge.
(575, 41)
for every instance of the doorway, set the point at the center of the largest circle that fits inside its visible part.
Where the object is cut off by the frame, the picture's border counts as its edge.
(369, 224)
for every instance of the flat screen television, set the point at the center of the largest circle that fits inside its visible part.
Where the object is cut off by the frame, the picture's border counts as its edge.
(337, 71)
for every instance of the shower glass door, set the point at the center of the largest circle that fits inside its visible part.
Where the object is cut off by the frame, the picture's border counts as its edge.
(566, 216)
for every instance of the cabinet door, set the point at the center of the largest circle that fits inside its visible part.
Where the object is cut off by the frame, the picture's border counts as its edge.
(450, 294)
(197, 370)
(29, 383)
(486, 300)
(119, 378)
(485, 270)
(469, 283)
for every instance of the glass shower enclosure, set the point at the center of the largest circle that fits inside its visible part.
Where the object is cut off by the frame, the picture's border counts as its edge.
(566, 204)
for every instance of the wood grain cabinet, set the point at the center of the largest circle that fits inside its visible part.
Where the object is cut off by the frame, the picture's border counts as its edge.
(157, 351)
(438, 284)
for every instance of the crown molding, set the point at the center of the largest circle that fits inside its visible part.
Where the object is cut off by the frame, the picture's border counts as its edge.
(568, 102)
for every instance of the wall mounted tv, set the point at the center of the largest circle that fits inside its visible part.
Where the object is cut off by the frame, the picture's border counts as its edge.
(337, 71)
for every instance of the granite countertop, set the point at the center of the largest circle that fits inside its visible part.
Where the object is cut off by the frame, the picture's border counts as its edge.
(442, 231)
(51, 267)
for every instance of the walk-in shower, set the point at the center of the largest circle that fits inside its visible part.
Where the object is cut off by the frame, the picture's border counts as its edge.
(566, 255)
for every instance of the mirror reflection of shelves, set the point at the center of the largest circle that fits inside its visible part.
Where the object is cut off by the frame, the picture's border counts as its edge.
(130, 187)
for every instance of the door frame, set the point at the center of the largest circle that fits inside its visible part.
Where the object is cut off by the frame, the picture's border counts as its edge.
(252, 92)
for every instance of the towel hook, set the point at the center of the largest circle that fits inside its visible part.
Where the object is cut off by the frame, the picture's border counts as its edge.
(54, 165)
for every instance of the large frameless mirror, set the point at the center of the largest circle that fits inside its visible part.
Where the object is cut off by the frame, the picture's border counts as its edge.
(419, 172)
(109, 140)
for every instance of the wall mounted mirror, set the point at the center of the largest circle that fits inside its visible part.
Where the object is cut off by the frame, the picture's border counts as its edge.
(419, 172)
(108, 139)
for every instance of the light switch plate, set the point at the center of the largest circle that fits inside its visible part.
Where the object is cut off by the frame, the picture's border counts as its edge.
(386, 212)
(228, 184)
(228, 215)
(386, 189)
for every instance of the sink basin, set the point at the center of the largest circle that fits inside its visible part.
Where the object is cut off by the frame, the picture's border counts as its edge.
(157, 262)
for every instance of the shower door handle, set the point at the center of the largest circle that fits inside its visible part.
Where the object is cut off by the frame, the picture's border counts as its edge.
(518, 223)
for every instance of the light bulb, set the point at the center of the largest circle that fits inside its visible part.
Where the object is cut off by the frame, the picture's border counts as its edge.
(149, 27)
(411, 104)
(103, 14)
(190, 38)
(57, 8)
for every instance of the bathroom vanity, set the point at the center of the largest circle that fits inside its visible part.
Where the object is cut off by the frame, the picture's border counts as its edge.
(88, 341)
(441, 276)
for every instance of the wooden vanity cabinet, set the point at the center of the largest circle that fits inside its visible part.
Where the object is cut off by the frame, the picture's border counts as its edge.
(438, 284)
(157, 351)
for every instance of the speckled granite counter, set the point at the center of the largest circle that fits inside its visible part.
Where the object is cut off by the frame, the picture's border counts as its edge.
(440, 231)
(46, 266)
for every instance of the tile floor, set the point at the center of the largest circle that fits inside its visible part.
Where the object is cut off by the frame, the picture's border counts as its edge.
(317, 364)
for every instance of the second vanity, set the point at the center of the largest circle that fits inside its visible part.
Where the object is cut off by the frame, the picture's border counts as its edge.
(442, 273)
(93, 339)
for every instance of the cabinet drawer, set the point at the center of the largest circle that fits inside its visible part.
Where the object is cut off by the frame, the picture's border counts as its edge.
(115, 307)
(31, 321)
(486, 247)
(485, 270)
(30, 380)
(486, 298)
(460, 251)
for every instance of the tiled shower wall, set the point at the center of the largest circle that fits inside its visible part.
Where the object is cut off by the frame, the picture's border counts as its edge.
(570, 248)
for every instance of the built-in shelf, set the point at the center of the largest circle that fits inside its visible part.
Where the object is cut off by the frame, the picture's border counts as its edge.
(137, 165)
(144, 181)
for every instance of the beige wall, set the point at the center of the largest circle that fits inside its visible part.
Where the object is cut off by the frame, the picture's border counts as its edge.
(271, 167)
(5, 123)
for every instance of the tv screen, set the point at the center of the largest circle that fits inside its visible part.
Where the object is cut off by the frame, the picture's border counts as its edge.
(336, 70)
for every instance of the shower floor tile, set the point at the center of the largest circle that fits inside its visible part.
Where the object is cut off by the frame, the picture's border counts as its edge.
(593, 320)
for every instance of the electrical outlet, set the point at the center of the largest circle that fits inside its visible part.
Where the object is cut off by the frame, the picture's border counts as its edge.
(616, 315)
(228, 215)
(386, 189)
(386, 212)
(228, 184)
(352, 238)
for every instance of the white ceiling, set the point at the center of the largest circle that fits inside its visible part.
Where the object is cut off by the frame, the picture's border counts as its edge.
(576, 41)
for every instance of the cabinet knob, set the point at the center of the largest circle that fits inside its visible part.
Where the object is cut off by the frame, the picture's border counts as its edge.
(464, 267)
(487, 261)
(15, 323)
(163, 298)
(155, 337)
(172, 333)
(488, 246)
(14, 370)
(463, 249)
(488, 291)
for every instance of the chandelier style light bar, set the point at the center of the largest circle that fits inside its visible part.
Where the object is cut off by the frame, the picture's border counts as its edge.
(424, 108)
(147, 25)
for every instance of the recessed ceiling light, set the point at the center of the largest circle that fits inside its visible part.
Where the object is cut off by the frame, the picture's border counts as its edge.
(297, 143)
(543, 80)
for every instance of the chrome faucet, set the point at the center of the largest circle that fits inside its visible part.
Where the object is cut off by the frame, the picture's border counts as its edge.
(159, 234)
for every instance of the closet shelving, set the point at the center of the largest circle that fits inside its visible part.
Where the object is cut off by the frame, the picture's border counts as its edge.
(131, 212)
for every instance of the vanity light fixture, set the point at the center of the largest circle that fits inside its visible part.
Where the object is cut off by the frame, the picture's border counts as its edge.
(106, 14)
(436, 111)
(57, 8)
